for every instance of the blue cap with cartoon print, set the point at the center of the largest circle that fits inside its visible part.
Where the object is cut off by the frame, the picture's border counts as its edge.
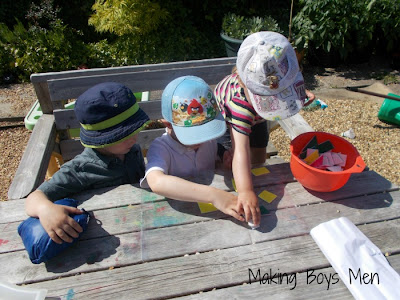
(189, 105)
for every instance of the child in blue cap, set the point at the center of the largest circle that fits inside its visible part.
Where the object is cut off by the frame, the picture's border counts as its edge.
(189, 147)
(110, 120)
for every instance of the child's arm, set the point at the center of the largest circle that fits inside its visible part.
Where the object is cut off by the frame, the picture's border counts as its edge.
(54, 218)
(241, 168)
(180, 189)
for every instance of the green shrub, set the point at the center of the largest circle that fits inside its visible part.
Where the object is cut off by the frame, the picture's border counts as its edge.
(42, 50)
(124, 17)
(239, 27)
(148, 37)
(7, 68)
(387, 20)
(339, 26)
(102, 54)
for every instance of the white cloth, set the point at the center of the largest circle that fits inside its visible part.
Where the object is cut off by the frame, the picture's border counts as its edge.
(352, 255)
(172, 158)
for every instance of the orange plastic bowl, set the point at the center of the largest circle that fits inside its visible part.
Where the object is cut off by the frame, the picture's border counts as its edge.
(321, 180)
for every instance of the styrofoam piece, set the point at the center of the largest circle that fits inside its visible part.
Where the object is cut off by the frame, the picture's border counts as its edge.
(251, 224)
(349, 134)
(14, 292)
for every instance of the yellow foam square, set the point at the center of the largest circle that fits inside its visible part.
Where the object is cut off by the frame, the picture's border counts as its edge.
(206, 207)
(260, 171)
(234, 185)
(267, 196)
(312, 157)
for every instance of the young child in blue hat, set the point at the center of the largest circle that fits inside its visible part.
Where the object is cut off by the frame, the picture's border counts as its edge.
(110, 120)
(189, 147)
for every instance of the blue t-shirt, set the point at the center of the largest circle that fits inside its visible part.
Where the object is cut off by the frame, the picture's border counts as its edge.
(91, 170)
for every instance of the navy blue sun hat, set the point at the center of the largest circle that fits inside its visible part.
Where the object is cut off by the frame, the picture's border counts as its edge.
(108, 114)
(189, 105)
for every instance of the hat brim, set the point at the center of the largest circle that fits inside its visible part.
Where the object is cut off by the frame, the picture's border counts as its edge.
(201, 133)
(116, 134)
(283, 104)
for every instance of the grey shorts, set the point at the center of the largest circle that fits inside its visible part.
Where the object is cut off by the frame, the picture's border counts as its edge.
(259, 137)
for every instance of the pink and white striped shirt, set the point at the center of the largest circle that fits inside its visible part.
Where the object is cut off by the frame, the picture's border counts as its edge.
(234, 106)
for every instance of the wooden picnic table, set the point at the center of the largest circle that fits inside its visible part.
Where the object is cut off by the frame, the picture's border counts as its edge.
(139, 245)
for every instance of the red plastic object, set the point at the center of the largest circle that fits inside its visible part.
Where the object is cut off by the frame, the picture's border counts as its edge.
(321, 180)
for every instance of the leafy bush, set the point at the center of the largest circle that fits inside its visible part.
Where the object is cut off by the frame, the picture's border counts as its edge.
(334, 25)
(239, 27)
(102, 54)
(46, 45)
(41, 50)
(146, 37)
(124, 17)
(387, 20)
(132, 32)
(7, 64)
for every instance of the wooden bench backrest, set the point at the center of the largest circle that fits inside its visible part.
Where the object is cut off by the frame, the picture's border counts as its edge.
(54, 89)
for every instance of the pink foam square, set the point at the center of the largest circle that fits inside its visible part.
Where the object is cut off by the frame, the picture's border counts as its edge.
(343, 157)
(335, 168)
(318, 163)
(337, 160)
(328, 160)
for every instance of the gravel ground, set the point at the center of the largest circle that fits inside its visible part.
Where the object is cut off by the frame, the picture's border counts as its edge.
(377, 142)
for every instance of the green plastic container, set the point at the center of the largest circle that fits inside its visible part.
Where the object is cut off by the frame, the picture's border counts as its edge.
(36, 112)
(390, 110)
(231, 45)
(33, 115)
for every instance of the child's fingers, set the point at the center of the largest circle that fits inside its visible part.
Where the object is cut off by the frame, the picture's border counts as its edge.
(53, 235)
(239, 209)
(255, 212)
(236, 215)
(73, 210)
(63, 235)
(247, 213)
(72, 232)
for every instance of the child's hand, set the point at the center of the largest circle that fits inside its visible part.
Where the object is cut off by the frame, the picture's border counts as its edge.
(227, 203)
(310, 97)
(58, 224)
(248, 204)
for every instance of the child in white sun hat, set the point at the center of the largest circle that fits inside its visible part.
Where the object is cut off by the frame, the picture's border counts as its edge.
(188, 149)
(266, 84)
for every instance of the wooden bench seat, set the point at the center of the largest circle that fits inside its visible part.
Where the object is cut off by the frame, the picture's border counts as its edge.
(55, 89)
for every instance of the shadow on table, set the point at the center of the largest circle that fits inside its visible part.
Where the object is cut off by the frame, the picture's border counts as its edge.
(98, 247)
(267, 207)
(366, 190)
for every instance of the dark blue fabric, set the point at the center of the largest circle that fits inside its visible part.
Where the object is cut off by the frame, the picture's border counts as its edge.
(101, 103)
(37, 242)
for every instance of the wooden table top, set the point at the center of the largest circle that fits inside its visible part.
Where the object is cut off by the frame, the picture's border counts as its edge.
(139, 245)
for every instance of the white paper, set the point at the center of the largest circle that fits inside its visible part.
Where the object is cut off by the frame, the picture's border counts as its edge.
(349, 251)
(14, 292)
